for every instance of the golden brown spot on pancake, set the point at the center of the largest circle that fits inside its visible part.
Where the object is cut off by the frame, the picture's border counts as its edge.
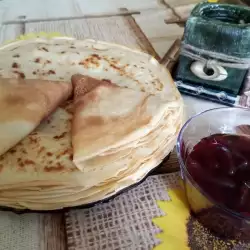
(16, 55)
(106, 80)
(49, 154)
(115, 67)
(67, 151)
(57, 168)
(41, 150)
(20, 162)
(46, 62)
(90, 61)
(24, 151)
(15, 65)
(96, 56)
(12, 151)
(83, 63)
(51, 72)
(20, 74)
(21, 166)
(29, 162)
(33, 140)
(71, 157)
(37, 60)
(57, 137)
(44, 49)
(113, 63)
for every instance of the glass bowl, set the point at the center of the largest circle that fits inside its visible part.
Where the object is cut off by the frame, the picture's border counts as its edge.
(217, 217)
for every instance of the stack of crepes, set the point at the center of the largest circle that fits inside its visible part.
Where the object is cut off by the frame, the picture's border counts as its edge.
(87, 120)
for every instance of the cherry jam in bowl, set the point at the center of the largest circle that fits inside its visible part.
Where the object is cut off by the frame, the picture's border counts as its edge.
(214, 154)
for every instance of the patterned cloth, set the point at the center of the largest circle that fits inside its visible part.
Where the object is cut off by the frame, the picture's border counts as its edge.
(124, 222)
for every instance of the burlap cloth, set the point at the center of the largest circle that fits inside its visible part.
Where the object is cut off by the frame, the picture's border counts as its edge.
(124, 222)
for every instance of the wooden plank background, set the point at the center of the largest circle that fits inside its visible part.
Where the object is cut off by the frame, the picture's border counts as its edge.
(151, 18)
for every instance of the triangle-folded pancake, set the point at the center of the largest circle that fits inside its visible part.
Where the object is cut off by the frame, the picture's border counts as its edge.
(24, 104)
(172, 115)
(107, 116)
(126, 158)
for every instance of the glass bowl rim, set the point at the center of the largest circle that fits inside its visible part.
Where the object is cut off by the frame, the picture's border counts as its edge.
(186, 172)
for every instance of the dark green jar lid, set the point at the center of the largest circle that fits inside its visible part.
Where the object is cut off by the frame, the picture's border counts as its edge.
(221, 28)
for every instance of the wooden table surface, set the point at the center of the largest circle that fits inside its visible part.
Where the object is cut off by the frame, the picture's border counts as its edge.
(95, 19)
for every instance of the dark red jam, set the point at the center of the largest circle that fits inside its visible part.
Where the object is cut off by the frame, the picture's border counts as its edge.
(220, 165)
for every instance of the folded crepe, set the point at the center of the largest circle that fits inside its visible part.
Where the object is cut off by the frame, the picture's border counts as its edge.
(24, 104)
(107, 116)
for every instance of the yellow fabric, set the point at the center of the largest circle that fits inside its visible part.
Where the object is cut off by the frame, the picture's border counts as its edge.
(35, 35)
(180, 231)
(173, 224)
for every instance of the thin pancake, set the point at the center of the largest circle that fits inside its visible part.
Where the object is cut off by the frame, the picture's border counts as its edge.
(108, 116)
(24, 104)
